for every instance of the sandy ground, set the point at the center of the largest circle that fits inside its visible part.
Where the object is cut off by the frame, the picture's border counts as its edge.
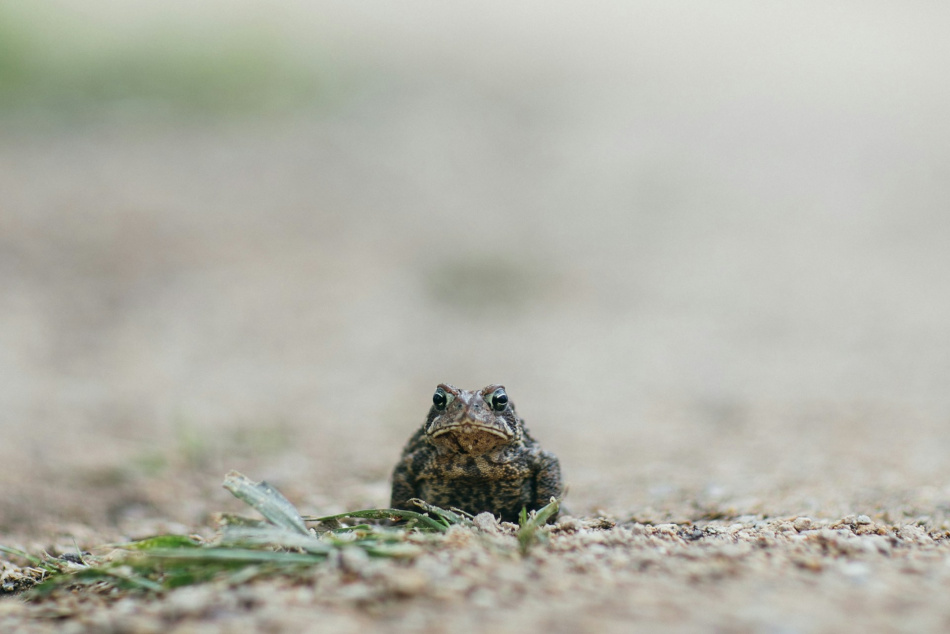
(705, 250)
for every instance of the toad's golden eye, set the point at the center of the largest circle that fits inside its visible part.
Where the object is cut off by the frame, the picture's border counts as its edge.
(499, 400)
(441, 398)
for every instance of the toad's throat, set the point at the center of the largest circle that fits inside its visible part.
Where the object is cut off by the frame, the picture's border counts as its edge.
(466, 428)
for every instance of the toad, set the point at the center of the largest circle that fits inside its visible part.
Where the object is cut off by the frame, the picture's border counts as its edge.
(474, 453)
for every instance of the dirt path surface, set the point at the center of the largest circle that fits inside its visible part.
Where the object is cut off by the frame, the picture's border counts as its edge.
(706, 251)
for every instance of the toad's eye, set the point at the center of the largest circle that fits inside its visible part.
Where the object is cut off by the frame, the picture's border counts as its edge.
(440, 399)
(499, 400)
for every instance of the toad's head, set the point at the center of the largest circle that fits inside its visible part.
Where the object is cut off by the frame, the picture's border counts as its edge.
(472, 422)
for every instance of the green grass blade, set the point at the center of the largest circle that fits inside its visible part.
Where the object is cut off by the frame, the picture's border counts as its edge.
(386, 514)
(231, 556)
(115, 575)
(358, 528)
(36, 561)
(448, 518)
(529, 533)
(162, 541)
(124, 577)
(267, 500)
(273, 536)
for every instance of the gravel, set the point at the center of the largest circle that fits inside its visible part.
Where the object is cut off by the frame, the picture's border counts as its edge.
(700, 246)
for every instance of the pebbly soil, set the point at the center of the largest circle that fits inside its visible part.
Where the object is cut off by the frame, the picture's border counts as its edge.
(714, 282)
(737, 575)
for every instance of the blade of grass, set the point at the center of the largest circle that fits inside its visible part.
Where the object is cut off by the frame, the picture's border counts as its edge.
(36, 561)
(231, 555)
(267, 500)
(447, 517)
(385, 514)
(351, 529)
(127, 577)
(529, 533)
(161, 541)
(223, 520)
(118, 576)
(273, 536)
(49, 565)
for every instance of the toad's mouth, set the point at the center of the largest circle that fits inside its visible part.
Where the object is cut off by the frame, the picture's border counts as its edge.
(469, 428)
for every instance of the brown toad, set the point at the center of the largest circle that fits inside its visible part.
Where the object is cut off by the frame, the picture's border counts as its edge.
(474, 453)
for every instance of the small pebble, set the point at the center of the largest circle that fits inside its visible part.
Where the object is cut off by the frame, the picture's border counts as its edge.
(802, 523)
(353, 559)
(190, 600)
(487, 523)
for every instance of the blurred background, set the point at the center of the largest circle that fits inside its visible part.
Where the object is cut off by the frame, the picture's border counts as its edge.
(704, 247)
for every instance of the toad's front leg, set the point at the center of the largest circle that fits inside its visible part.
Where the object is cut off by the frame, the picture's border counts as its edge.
(405, 486)
(547, 481)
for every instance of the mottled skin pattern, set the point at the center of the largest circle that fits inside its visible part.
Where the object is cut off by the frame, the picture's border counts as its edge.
(474, 453)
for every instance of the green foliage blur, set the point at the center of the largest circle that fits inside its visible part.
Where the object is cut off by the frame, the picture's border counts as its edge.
(61, 67)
